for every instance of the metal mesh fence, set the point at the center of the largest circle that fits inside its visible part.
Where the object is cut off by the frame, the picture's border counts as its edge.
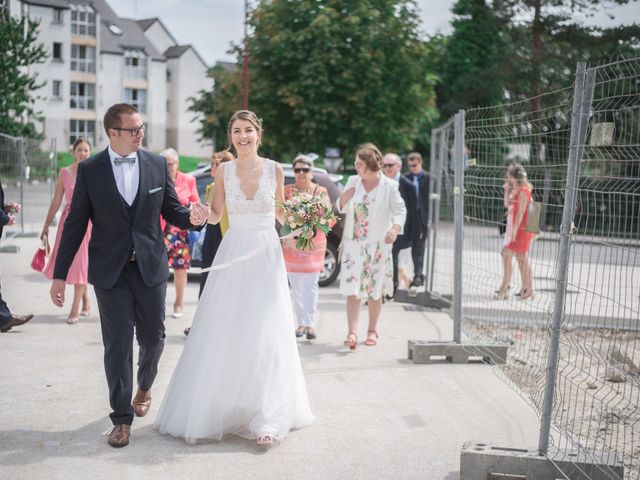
(28, 174)
(586, 306)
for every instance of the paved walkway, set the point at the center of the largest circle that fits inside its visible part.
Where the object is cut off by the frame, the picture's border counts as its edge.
(378, 416)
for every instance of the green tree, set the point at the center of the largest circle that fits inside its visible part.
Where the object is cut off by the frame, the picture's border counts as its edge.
(471, 73)
(338, 73)
(548, 40)
(216, 106)
(20, 50)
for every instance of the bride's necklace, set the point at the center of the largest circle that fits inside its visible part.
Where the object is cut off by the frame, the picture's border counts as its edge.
(251, 171)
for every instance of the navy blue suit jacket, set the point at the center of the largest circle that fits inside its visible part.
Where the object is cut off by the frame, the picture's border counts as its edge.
(114, 233)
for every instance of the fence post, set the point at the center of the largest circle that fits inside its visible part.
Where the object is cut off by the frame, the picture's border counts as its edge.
(22, 179)
(583, 95)
(432, 183)
(440, 154)
(53, 164)
(458, 210)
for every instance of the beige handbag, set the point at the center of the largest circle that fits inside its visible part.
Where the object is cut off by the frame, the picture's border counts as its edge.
(533, 217)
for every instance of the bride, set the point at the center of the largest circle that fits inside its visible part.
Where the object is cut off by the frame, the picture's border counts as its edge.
(240, 372)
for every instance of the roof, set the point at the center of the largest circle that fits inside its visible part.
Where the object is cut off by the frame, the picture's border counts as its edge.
(176, 51)
(145, 23)
(132, 34)
(48, 3)
(229, 66)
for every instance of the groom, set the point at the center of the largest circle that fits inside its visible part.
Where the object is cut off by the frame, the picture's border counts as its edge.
(123, 191)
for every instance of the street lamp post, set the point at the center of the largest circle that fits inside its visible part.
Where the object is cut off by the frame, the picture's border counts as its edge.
(245, 60)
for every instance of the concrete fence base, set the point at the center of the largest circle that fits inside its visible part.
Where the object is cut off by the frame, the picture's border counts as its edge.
(437, 352)
(481, 461)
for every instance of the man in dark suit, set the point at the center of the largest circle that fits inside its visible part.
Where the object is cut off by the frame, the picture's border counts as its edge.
(417, 215)
(7, 218)
(391, 166)
(123, 190)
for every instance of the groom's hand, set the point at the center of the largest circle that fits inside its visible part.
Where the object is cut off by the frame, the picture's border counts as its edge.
(199, 213)
(57, 292)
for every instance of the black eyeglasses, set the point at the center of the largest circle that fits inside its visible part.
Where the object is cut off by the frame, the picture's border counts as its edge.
(388, 165)
(301, 170)
(133, 131)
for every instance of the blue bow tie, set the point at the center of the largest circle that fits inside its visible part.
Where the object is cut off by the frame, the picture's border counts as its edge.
(120, 161)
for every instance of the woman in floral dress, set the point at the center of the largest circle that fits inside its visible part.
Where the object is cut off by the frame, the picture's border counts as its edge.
(374, 216)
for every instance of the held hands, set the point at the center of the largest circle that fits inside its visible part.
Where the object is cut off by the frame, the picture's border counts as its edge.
(12, 220)
(199, 213)
(57, 292)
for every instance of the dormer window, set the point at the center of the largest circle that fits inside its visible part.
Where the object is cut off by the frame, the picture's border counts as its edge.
(83, 20)
(135, 64)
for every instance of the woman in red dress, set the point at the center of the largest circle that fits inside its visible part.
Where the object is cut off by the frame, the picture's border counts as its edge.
(517, 197)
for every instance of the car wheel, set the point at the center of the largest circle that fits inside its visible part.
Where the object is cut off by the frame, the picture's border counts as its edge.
(331, 266)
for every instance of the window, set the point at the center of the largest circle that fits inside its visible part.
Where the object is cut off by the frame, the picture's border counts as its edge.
(56, 92)
(82, 128)
(57, 51)
(135, 64)
(137, 98)
(58, 16)
(83, 20)
(83, 59)
(82, 96)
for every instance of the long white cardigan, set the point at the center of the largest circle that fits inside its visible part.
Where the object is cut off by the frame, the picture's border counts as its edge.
(388, 209)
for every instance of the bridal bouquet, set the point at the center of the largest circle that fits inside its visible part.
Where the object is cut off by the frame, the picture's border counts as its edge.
(305, 214)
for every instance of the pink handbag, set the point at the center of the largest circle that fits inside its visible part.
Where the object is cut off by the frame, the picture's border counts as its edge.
(38, 261)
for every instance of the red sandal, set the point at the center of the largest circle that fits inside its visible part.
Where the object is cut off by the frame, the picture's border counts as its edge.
(372, 338)
(351, 341)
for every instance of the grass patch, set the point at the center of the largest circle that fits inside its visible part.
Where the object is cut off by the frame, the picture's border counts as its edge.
(187, 164)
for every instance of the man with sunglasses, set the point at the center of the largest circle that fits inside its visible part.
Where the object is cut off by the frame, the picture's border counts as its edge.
(123, 190)
(391, 166)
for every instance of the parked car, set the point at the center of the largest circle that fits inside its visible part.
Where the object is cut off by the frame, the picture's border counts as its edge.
(332, 182)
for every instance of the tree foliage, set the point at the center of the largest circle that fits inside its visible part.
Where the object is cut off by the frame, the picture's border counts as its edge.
(20, 50)
(471, 69)
(216, 106)
(338, 73)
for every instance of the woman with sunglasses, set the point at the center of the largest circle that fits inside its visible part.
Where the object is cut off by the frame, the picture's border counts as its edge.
(304, 266)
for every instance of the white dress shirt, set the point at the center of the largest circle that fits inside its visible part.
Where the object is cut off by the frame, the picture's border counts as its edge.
(127, 175)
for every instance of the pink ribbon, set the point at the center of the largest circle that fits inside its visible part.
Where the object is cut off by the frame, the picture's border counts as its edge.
(247, 256)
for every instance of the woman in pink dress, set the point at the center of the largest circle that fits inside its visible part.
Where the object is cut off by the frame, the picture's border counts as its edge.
(176, 240)
(78, 276)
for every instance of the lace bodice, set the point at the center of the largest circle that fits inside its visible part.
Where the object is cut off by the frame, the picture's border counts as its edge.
(263, 202)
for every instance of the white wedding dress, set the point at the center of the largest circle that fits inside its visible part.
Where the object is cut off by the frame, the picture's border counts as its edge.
(240, 371)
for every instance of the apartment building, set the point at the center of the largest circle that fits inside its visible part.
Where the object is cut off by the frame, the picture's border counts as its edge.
(97, 59)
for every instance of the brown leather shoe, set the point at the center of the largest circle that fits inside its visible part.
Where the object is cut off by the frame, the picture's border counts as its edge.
(15, 321)
(141, 402)
(119, 436)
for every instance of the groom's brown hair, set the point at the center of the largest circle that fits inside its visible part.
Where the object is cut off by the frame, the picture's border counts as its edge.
(113, 119)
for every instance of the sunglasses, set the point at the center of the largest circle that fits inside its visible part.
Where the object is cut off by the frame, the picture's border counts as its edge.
(301, 170)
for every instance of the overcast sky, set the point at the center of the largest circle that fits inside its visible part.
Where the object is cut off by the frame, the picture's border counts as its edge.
(212, 25)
